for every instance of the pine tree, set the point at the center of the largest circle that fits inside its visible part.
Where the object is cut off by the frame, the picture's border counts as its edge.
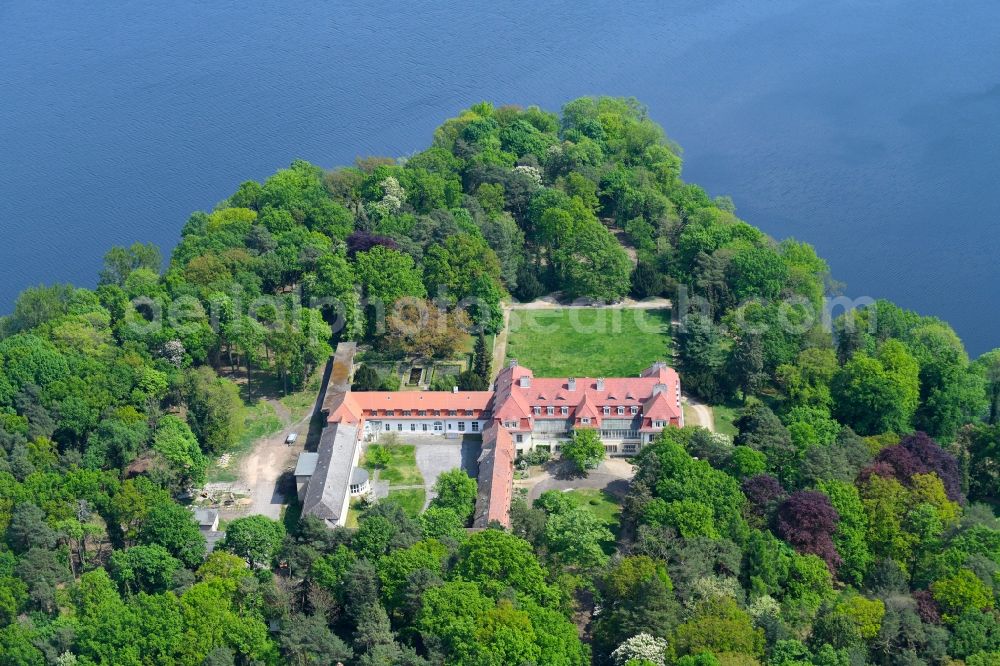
(481, 363)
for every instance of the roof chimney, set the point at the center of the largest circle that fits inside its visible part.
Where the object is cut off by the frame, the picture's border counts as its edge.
(600, 383)
(659, 388)
(571, 384)
(513, 363)
(454, 389)
(525, 381)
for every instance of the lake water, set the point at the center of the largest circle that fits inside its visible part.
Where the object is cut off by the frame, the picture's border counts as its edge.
(870, 129)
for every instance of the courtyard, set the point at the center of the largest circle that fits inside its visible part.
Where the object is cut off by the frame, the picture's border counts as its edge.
(416, 461)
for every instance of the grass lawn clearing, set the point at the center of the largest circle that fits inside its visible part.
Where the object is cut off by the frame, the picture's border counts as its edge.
(353, 513)
(402, 468)
(412, 500)
(298, 403)
(589, 342)
(603, 504)
(724, 417)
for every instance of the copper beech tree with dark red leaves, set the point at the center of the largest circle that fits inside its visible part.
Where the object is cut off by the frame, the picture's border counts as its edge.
(807, 520)
(763, 493)
(362, 241)
(918, 454)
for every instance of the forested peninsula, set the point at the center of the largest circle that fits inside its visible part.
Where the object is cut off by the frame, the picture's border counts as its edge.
(847, 518)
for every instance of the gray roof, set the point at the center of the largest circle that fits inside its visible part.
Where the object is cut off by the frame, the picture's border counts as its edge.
(306, 463)
(206, 517)
(329, 484)
(359, 476)
(212, 538)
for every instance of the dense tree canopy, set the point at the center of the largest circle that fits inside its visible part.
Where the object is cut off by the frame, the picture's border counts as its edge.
(847, 522)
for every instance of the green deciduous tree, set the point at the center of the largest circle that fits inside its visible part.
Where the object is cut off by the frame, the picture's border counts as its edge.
(177, 444)
(455, 490)
(576, 537)
(960, 593)
(584, 451)
(215, 411)
(143, 569)
(878, 394)
(254, 538)
(719, 626)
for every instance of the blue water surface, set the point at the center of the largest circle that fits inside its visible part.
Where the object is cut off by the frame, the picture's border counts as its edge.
(869, 129)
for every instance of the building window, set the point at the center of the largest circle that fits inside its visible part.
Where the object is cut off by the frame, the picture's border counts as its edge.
(634, 410)
(390, 412)
(423, 426)
(437, 426)
(585, 420)
(475, 426)
(658, 424)
(550, 410)
(519, 438)
(564, 410)
(413, 427)
(630, 448)
(422, 412)
(461, 426)
(621, 410)
(537, 410)
(406, 412)
(387, 426)
(607, 410)
(452, 412)
(510, 424)
(399, 427)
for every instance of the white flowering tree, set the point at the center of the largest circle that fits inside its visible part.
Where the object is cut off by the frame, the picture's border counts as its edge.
(392, 198)
(642, 648)
(533, 173)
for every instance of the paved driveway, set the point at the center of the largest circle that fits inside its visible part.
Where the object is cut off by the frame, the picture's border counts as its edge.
(613, 475)
(438, 455)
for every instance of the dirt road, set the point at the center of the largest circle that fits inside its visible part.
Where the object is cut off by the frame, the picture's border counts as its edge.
(269, 459)
(704, 415)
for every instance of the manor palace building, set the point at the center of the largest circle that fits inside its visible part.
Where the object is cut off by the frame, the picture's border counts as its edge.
(521, 413)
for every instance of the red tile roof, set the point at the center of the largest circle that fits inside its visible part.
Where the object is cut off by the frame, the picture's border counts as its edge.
(515, 399)
(496, 477)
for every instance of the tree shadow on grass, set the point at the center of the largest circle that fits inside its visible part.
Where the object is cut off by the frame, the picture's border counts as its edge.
(616, 490)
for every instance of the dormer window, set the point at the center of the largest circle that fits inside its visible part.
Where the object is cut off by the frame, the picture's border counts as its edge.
(564, 410)
(659, 424)
(406, 412)
(607, 410)
(621, 410)
(550, 410)
(390, 412)
(537, 410)
(635, 410)
(585, 420)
